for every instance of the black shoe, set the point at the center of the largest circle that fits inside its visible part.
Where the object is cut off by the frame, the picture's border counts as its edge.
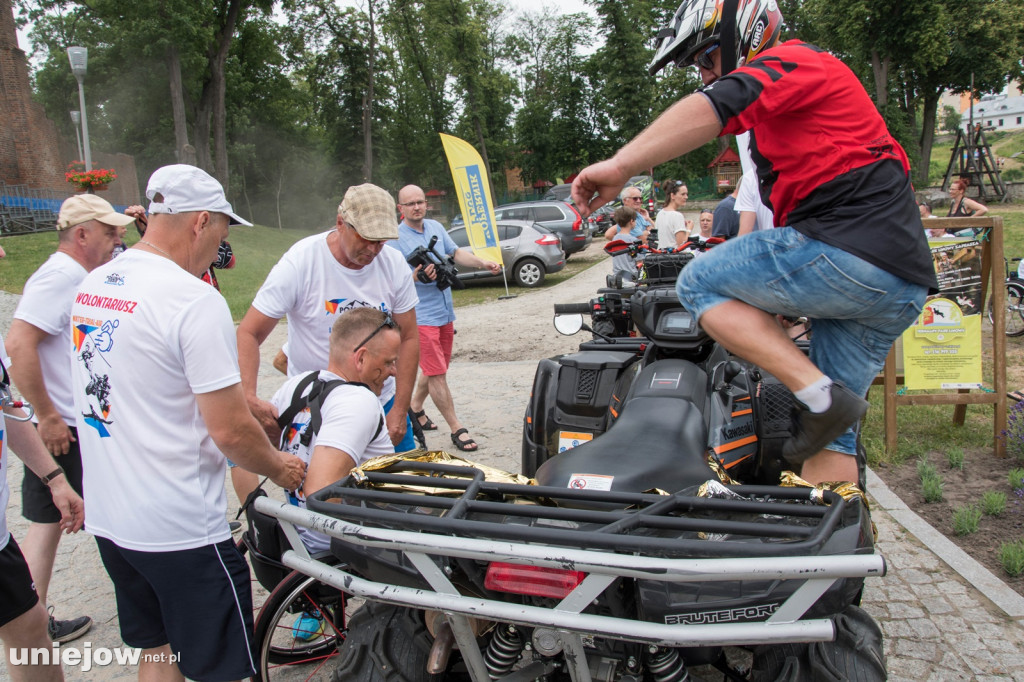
(814, 430)
(66, 630)
(235, 526)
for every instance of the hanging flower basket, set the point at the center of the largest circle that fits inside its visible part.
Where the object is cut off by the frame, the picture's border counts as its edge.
(96, 180)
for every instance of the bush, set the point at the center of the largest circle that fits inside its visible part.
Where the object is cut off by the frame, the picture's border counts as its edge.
(925, 469)
(966, 519)
(1016, 478)
(1011, 555)
(993, 503)
(931, 488)
(1013, 435)
(956, 458)
(931, 480)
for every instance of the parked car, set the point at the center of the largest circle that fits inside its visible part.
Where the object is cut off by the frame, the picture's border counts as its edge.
(529, 252)
(559, 217)
(601, 219)
(558, 193)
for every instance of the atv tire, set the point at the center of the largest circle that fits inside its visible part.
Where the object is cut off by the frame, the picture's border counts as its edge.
(856, 655)
(385, 643)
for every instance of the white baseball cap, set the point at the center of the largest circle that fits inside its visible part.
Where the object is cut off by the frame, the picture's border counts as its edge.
(181, 188)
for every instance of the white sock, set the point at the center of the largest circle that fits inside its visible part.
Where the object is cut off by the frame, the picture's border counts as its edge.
(818, 396)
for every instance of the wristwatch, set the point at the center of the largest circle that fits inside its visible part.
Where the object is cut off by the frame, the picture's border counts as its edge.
(52, 475)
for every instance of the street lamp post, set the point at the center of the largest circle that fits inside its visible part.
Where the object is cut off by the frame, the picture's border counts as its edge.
(79, 57)
(76, 119)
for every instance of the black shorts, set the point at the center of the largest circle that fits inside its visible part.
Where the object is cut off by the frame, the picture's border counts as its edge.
(197, 600)
(17, 591)
(36, 502)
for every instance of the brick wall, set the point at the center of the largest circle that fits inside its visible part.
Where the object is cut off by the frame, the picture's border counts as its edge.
(32, 151)
(29, 143)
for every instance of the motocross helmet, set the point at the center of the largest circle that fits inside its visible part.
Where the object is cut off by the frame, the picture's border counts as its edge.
(743, 28)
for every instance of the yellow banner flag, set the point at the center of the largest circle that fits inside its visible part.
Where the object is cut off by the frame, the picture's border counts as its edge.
(474, 190)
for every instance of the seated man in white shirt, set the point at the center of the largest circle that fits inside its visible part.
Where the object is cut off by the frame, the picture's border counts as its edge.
(345, 426)
(363, 354)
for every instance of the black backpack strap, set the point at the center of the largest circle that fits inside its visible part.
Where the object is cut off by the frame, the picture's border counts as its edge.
(297, 405)
(316, 404)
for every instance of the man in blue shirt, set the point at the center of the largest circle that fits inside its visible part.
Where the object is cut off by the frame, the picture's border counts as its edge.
(435, 313)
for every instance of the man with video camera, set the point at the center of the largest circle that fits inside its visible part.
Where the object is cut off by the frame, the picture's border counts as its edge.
(435, 313)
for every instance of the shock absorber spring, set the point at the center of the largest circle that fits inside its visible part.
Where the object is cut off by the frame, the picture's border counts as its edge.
(503, 650)
(666, 665)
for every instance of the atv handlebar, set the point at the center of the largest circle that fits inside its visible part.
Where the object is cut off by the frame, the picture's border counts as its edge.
(573, 308)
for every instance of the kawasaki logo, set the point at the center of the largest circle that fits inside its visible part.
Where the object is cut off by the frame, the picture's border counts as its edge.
(747, 613)
(739, 431)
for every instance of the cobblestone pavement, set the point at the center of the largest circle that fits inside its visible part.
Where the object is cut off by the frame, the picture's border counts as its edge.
(937, 624)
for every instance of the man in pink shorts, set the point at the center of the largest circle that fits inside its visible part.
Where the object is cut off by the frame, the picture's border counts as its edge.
(435, 313)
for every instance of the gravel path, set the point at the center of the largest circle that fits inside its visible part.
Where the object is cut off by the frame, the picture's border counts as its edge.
(938, 626)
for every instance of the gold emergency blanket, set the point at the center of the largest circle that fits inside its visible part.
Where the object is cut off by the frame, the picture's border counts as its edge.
(434, 457)
(844, 489)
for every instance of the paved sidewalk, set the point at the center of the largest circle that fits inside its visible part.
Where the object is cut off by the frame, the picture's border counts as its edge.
(937, 624)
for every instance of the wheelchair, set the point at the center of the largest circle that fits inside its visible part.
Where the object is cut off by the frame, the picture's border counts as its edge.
(283, 646)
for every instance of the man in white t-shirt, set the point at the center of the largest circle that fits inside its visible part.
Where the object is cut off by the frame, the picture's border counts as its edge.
(754, 215)
(23, 620)
(38, 341)
(364, 349)
(317, 280)
(160, 403)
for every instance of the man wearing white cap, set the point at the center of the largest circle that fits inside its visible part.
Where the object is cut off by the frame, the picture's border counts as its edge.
(156, 382)
(321, 277)
(38, 342)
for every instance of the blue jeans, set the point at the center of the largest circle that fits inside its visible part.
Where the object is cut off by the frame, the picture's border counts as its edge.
(858, 309)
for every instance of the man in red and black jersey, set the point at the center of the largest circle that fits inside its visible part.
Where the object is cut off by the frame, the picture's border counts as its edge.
(849, 250)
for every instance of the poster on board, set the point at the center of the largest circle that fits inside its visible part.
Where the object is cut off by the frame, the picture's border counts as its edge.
(942, 349)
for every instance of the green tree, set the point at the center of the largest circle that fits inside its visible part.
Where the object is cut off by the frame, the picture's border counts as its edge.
(555, 126)
(474, 38)
(619, 67)
(908, 54)
(951, 119)
(186, 44)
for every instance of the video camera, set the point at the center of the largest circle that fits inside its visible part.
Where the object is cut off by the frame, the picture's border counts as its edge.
(444, 266)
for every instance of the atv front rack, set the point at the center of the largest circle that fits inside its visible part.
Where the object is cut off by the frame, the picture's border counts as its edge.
(464, 504)
(644, 543)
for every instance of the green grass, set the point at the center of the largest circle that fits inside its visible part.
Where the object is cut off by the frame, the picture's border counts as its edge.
(256, 249)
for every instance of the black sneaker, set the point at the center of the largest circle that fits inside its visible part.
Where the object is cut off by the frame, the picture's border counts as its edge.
(66, 630)
(814, 430)
(235, 526)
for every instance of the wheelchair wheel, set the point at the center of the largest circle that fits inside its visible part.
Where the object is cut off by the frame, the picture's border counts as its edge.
(285, 645)
(1014, 309)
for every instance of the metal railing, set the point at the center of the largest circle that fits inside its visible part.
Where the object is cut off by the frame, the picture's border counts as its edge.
(27, 210)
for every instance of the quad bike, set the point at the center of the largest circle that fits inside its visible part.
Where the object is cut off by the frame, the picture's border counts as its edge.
(632, 555)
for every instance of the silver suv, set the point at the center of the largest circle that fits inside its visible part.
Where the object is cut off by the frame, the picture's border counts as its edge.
(559, 217)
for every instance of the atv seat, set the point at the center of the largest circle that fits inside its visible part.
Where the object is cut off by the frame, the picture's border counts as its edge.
(658, 441)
